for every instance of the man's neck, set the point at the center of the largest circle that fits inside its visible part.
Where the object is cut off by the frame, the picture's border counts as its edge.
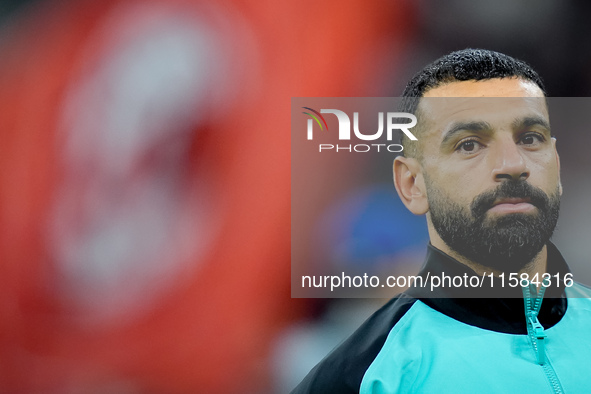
(537, 265)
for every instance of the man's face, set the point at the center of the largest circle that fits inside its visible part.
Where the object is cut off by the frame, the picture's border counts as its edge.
(491, 170)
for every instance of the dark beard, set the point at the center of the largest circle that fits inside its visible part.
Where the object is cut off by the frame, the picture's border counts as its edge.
(507, 243)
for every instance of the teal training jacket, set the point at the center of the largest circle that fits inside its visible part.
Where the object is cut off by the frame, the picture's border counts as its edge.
(491, 339)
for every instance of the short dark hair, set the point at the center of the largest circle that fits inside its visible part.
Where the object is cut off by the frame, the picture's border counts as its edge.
(465, 65)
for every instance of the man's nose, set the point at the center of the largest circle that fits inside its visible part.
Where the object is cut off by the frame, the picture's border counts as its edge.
(509, 162)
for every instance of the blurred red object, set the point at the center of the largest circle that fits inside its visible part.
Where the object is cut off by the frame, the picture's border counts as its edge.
(197, 311)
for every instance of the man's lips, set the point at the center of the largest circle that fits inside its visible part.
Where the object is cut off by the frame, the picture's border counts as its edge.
(512, 205)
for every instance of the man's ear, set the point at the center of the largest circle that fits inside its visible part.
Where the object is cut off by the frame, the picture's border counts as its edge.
(558, 164)
(410, 184)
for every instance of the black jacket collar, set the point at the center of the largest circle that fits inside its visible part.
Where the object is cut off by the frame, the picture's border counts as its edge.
(491, 305)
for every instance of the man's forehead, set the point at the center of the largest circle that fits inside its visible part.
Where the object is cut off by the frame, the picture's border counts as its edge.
(495, 100)
(497, 87)
(495, 109)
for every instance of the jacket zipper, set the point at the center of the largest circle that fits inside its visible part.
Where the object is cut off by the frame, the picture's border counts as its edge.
(537, 334)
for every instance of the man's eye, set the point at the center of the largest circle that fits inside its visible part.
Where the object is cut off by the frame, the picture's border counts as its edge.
(532, 138)
(468, 146)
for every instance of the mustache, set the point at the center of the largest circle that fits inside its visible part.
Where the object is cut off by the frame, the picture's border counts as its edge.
(510, 189)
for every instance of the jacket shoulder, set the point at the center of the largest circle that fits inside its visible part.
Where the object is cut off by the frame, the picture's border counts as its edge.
(578, 290)
(342, 370)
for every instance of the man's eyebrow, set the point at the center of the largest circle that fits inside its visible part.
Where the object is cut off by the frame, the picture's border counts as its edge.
(457, 127)
(529, 121)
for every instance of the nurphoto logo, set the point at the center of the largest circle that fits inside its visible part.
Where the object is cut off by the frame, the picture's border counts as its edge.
(392, 120)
